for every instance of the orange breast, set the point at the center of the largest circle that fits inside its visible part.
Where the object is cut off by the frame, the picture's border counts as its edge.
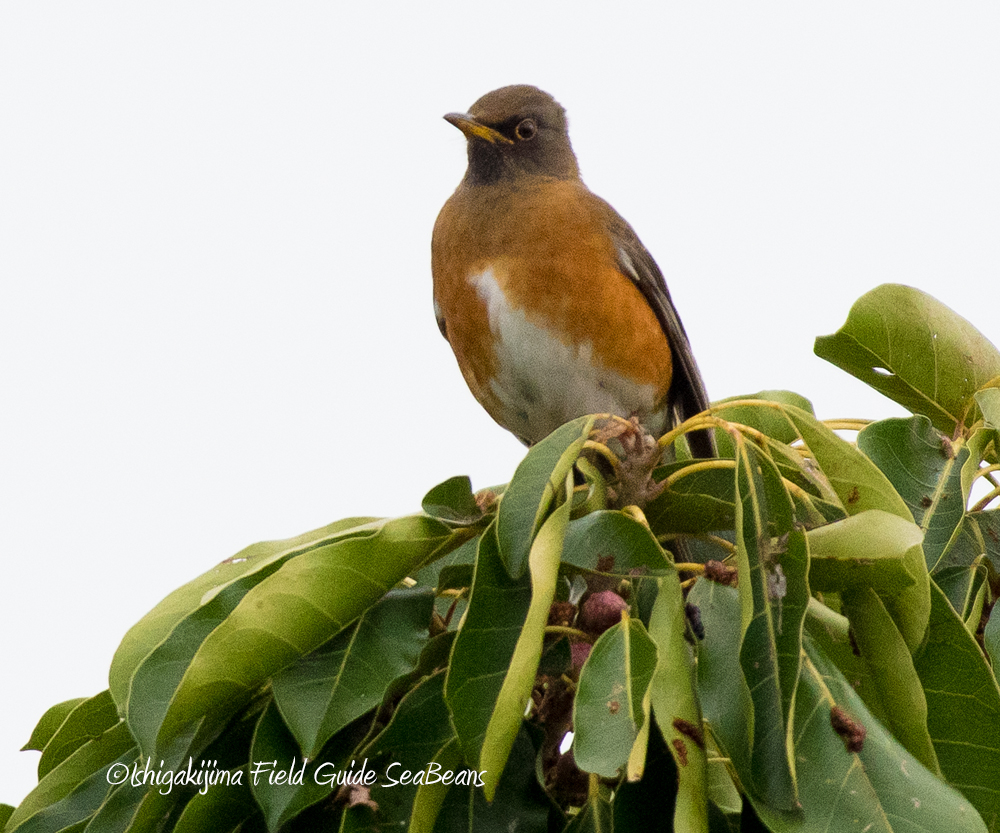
(549, 256)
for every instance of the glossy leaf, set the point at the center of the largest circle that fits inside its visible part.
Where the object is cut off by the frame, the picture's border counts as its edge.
(608, 712)
(869, 549)
(156, 625)
(916, 351)
(532, 491)
(926, 471)
(221, 809)
(839, 791)
(340, 681)
(673, 696)
(695, 503)
(963, 703)
(485, 645)
(293, 611)
(282, 781)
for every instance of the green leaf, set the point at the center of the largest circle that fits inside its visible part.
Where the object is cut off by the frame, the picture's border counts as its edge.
(88, 720)
(282, 781)
(49, 723)
(340, 681)
(923, 467)
(519, 800)
(486, 696)
(74, 790)
(988, 400)
(675, 706)
(755, 412)
(418, 732)
(839, 791)
(991, 640)
(221, 809)
(610, 534)
(722, 689)
(529, 497)
(156, 625)
(864, 550)
(891, 670)
(980, 536)
(702, 501)
(773, 564)
(963, 703)
(453, 502)
(650, 803)
(861, 486)
(307, 600)
(916, 351)
(608, 712)
(485, 645)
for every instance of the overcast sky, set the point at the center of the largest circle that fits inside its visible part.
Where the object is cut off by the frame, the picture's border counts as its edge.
(215, 220)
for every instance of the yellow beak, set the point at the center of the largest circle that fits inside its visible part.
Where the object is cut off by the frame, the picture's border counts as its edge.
(472, 128)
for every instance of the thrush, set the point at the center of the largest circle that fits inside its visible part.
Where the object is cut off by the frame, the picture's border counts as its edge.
(552, 305)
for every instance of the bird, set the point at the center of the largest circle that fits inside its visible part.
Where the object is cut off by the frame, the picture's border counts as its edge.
(552, 305)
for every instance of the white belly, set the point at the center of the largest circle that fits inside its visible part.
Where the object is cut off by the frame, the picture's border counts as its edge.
(542, 382)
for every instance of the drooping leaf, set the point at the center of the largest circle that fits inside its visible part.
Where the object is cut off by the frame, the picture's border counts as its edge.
(532, 491)
(340, 681)
(221, 809)
(840, 791)
(923, 467)
(464, 806)
(505, 712)
(418, 732)
(773, 565)
(963, 703)
(673, 696)
(608, 712)
(892, 673)
(916, 351)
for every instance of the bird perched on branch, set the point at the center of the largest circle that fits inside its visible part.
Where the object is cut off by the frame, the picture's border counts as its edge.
(551, 303)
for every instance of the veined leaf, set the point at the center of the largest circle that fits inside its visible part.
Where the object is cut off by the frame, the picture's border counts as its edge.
(926, 471)
(340, 681)
(963, 703)
(916, 351)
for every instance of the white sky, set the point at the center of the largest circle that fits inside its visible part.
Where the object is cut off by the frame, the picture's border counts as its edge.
(215, 220)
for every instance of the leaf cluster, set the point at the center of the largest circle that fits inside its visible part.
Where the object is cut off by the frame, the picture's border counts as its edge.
(794, 636)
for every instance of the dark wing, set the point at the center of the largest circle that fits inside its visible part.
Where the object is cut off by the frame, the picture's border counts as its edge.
(687, 390)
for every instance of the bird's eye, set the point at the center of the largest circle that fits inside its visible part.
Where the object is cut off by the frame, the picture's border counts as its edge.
(526, 130)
